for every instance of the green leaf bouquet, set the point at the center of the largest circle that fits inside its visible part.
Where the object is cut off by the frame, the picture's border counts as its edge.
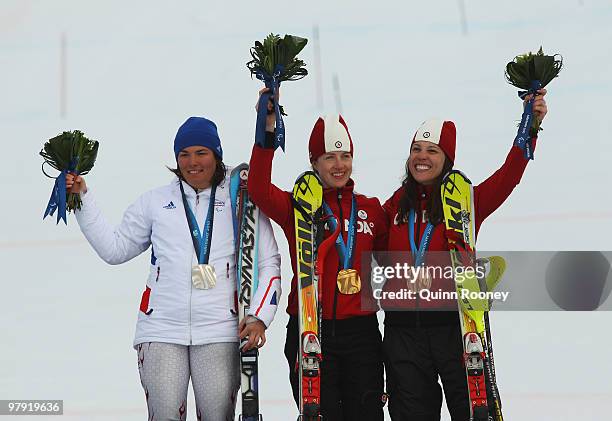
(273, 61)
(69, 152)
(531, 72)
(278, 55)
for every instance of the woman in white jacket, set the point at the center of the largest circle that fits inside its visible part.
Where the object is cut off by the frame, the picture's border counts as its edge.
(187, 323)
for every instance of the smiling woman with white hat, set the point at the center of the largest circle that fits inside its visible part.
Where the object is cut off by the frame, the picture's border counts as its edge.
(422, 345)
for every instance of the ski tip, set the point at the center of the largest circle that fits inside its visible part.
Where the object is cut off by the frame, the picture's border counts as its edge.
(455, 173)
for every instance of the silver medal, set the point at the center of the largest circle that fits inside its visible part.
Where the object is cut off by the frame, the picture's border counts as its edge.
(203, 276)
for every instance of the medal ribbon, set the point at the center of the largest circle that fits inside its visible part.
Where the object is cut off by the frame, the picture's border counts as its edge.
(345, 251)
(201, 241)
(57, 201)
(523, 137)
(273, 83)
(420, 252)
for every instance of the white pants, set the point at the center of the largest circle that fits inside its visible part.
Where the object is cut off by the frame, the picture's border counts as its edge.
(165, 370)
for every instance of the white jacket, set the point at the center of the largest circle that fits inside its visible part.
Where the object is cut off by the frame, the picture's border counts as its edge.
(172, 310)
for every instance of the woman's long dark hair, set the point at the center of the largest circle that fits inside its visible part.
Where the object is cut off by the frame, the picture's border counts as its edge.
(410, 198)
(218, 176)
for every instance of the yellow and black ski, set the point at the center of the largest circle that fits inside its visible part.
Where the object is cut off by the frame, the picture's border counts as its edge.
(458, 207)
(307, 202)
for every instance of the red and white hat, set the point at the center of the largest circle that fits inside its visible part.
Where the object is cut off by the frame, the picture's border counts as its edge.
(329, 134)
(442, 133)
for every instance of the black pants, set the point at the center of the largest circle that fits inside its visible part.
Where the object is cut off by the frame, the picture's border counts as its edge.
(351, 370)
(414, 359)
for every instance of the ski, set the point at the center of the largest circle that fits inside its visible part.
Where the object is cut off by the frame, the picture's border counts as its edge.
(307, 202)
(311, 250)
(496, 268)
(246, 228)
(458, 205)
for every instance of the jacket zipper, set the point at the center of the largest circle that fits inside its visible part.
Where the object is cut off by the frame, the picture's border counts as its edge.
(197, 202)
(341, 223)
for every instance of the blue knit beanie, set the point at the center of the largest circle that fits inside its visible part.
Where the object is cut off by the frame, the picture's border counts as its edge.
(198, 131)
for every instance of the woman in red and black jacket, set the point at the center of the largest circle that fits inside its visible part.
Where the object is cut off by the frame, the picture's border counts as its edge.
(422, 346)
(352, 367)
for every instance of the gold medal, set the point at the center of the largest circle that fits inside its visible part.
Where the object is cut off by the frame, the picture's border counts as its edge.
(203, 276)
(349, 282)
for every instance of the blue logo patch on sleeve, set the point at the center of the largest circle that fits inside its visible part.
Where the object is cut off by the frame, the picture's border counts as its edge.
(273, 301)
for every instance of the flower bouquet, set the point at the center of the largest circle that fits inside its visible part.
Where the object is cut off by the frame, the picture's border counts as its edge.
(273, 61)
(531, 72)
(69, 152)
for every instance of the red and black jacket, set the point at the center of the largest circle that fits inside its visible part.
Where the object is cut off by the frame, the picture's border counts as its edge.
(371, 235)
(488, 196)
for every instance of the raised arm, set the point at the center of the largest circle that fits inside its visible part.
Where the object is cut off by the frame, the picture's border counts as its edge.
(271, 200)
(491, 193)
(114, 245)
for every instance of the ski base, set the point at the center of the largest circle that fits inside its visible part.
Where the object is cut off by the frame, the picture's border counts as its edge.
(303, 417)
(249, 392)
(474, 357)
(258, 417)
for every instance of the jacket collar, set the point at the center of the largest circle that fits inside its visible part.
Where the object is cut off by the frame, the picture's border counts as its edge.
(190, 192)
(332, 193)
(424, 192)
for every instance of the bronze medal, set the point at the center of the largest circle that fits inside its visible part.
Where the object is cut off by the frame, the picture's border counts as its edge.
(424, 281)
(412, 282)
(348, 281)
(411, 285)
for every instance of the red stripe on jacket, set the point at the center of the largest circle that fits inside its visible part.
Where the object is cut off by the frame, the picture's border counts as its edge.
(263, 300)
